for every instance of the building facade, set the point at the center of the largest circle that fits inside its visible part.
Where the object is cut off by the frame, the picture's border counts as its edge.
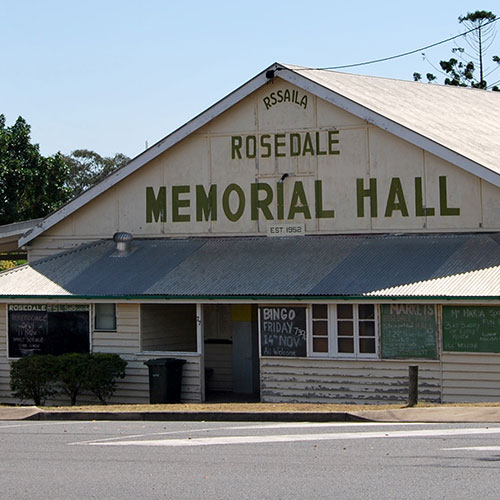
(306, 239)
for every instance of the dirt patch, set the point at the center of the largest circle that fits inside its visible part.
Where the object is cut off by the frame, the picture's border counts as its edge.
(250, 407)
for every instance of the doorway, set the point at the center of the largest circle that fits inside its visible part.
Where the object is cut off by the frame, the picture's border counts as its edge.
(231, 352)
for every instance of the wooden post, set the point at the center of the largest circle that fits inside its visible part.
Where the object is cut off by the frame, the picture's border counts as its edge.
(412, 385)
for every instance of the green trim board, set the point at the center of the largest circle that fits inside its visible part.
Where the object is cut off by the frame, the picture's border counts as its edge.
(376, 299)
(471, 328)
(408, 331)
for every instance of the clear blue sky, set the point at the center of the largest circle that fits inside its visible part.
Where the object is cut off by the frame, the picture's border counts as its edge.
(109, 75)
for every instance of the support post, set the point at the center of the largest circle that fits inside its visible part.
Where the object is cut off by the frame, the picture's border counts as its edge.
(412, 385)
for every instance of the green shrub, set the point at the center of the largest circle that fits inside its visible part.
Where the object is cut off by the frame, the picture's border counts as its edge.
(72, 371)
(102, 373)
(37, 377)
(33, 378)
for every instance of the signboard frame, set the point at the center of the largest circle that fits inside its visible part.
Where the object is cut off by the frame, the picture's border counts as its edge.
(412, 318)
(51, 311)
(304, 334)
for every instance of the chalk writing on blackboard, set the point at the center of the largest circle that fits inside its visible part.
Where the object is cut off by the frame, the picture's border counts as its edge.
(471, 328)
(408, 331)
(47, 329)
(283, 331)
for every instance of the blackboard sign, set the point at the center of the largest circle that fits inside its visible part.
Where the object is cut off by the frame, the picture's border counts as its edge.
(47, 329)
(28, 327)
(471, 328)
(408, 331)
(283, 331)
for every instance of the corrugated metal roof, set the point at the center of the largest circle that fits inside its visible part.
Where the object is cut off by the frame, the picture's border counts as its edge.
(10, 233)
(464, 120)
(441, 265)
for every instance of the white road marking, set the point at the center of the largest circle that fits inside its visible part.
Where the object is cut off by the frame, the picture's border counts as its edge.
(475, 448)
(299, 425)
(38, 424)
(300, 437)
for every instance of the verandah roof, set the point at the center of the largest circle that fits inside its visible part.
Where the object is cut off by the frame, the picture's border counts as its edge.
(383, 266)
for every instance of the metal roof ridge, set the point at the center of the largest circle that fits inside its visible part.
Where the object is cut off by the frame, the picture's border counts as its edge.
(77, 249)
(450, 88)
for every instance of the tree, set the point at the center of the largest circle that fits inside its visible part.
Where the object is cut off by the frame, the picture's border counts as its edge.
(87, 168)
(31, 185)
(460, 70)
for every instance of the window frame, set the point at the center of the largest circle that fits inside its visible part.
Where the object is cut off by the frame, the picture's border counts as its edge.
(199, 320)
(333, 333)
(96, 329)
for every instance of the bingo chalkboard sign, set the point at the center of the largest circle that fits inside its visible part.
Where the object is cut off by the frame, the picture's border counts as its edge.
(47, 329)
(283, 331)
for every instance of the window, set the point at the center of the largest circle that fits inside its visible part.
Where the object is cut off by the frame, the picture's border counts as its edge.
(168, 327)
(105, 317)
(344, 330)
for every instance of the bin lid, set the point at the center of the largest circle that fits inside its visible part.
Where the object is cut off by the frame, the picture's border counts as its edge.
(164, 362)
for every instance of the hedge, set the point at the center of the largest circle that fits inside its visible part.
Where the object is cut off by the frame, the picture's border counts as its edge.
(39, 377)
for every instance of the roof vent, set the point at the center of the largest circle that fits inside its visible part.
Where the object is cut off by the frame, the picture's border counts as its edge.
(123, 242)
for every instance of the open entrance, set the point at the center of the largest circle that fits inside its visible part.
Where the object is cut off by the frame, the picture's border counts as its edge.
(231, 352)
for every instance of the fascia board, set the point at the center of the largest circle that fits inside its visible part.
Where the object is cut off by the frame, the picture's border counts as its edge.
(148, 155)
(389, 125)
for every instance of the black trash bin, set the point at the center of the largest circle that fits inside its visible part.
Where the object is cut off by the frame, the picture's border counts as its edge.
(165, 380)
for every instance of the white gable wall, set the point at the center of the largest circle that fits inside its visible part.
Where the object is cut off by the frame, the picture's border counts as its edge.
(207, 158)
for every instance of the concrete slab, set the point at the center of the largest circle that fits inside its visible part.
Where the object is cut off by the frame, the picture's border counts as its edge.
(446, 414)
(18, 412)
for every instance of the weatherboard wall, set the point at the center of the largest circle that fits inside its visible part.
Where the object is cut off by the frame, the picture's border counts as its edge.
(471, 377)
(409, 181)
(125, 341)
(308, 380)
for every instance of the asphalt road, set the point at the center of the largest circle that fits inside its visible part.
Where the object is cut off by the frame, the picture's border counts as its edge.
(191, 460)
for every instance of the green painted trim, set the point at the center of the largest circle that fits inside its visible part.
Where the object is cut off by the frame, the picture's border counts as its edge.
(288, 298)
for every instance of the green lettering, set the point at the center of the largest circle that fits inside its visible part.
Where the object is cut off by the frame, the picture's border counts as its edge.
(236, 215)
(251, 146)
(420, 209)
(443, 199)
(256, 203)
(396, 199)
(280, 202)
(332, 142)
(279, 144)
(362, 193)
(236, 142)
(308, 145)
(299, 202)
(318, 145)
(266, 145)
(206, 205)
(294, 144)
(318, 198)
(177, 203)
(156, 206)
